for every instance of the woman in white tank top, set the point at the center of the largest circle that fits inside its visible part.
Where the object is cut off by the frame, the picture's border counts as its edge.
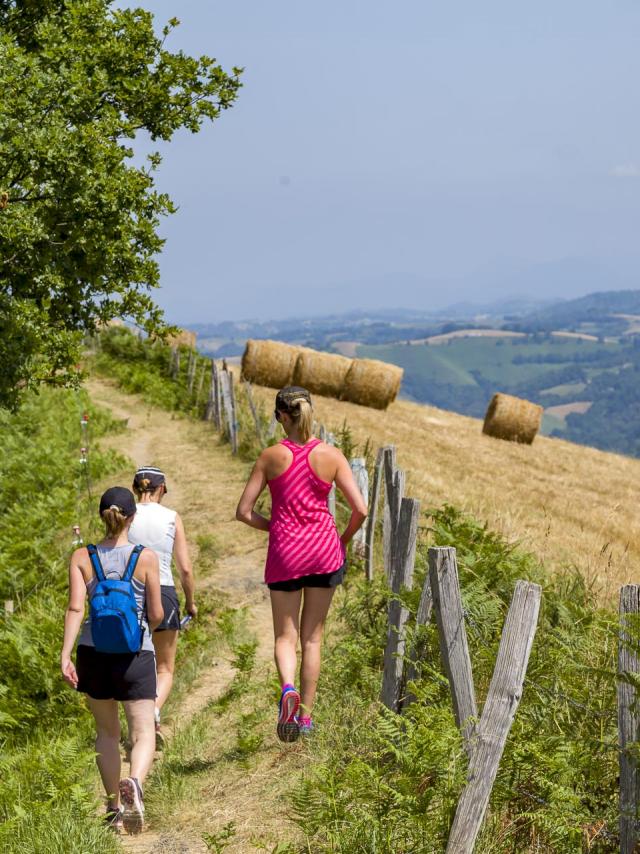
(161, 529)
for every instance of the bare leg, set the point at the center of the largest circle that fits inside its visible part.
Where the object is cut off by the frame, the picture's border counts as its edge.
(142, 732)
(314, 613)
(285, 607)
(105, 713)
(165, 643)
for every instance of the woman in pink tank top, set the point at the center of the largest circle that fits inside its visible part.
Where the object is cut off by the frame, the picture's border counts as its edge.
(306, 555)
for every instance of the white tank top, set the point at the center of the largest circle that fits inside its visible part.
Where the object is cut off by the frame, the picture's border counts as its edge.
(154, 526)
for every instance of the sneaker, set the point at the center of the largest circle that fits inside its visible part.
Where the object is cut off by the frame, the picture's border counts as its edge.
(288, 729)
(113, 819)
(161, 741)
(305, 725)
(133, 803)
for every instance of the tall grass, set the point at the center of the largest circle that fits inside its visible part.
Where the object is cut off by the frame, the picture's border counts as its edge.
(45, 804)
(389, 783)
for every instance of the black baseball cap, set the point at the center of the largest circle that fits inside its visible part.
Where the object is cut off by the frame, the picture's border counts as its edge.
(154, 475)
(120, 498)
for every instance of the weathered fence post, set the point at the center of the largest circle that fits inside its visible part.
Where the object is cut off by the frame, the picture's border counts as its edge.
(191, 370)
(393, 494)
(201, 382)
(226, 384)
(628, 716)
(8, 607)
(373, 514)
(452, 635)
(361, 477)
(254, 412)
(211, 400)
(174, 370)
(217, 407)
(404, 555)
(234, 419)
(499, 711)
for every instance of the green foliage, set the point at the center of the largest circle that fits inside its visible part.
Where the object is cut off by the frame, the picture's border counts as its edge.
(43, 487)
(45, 804)
(78, 220)
(217, 842)
(390, 783)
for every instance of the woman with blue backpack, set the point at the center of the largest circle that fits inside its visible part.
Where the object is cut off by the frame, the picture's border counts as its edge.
(115, 660)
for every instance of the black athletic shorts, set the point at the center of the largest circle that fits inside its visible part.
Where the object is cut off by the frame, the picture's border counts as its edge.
(324, 579)
(116, 676)
(171, 607)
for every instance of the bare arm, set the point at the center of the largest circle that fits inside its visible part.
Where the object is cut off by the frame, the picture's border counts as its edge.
(346, 483)
(148, 563)
(183, 563)
(73, 618)
(256, 483)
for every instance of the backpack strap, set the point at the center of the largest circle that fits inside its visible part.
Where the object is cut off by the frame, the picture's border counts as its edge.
(95, 562)
(133, 562)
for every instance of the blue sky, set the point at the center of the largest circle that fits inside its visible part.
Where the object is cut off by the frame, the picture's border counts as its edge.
(409, 154)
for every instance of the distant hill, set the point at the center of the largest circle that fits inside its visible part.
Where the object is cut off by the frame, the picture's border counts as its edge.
(578, 358)
(595, 312)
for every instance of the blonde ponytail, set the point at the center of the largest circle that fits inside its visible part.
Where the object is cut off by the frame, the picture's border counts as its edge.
(114, 522)
(303, 418)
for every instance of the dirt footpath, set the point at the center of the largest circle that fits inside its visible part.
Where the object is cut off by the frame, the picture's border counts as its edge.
(204, 483)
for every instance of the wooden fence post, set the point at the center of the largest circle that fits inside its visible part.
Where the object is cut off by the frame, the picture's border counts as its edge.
(8, 607)
(373, 514)
(174, 370)
(393, 494)
(217, 406)
(404, 555)
(201, 382)
(628, 716)
(499, 711)
(361, 476)
(225, 387)
(234, 420)
(452, 635)
(254, 412)
(191, 370)
(211, 399)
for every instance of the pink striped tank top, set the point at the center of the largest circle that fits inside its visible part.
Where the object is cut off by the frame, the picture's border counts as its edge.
(303, 538)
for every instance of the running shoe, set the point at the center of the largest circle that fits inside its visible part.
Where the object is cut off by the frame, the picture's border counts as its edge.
(133, 803)
(288, 729)
(305, 725)
(113, 819)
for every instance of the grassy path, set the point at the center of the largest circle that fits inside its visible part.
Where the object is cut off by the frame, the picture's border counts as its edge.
(218, 779)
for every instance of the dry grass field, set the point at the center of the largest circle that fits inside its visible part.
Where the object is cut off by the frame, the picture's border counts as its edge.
(572, 506)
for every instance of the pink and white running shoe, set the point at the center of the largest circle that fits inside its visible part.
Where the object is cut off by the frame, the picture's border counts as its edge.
(133, 805)
(288, 729)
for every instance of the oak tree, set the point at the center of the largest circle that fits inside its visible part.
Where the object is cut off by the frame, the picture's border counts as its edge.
(79, 216)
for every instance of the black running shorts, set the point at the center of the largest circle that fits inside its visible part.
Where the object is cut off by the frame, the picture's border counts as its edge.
(171, 607)
(116, 676)
(324, 579)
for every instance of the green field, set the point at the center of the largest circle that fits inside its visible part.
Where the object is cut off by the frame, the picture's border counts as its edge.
(462, 374)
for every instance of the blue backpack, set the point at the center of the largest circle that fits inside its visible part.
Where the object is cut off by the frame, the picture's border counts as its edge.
(113, 610)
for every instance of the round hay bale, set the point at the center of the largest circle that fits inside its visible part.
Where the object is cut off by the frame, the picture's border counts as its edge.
(321, 373)
(372, 383)
(269, 363)
(512, 418)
